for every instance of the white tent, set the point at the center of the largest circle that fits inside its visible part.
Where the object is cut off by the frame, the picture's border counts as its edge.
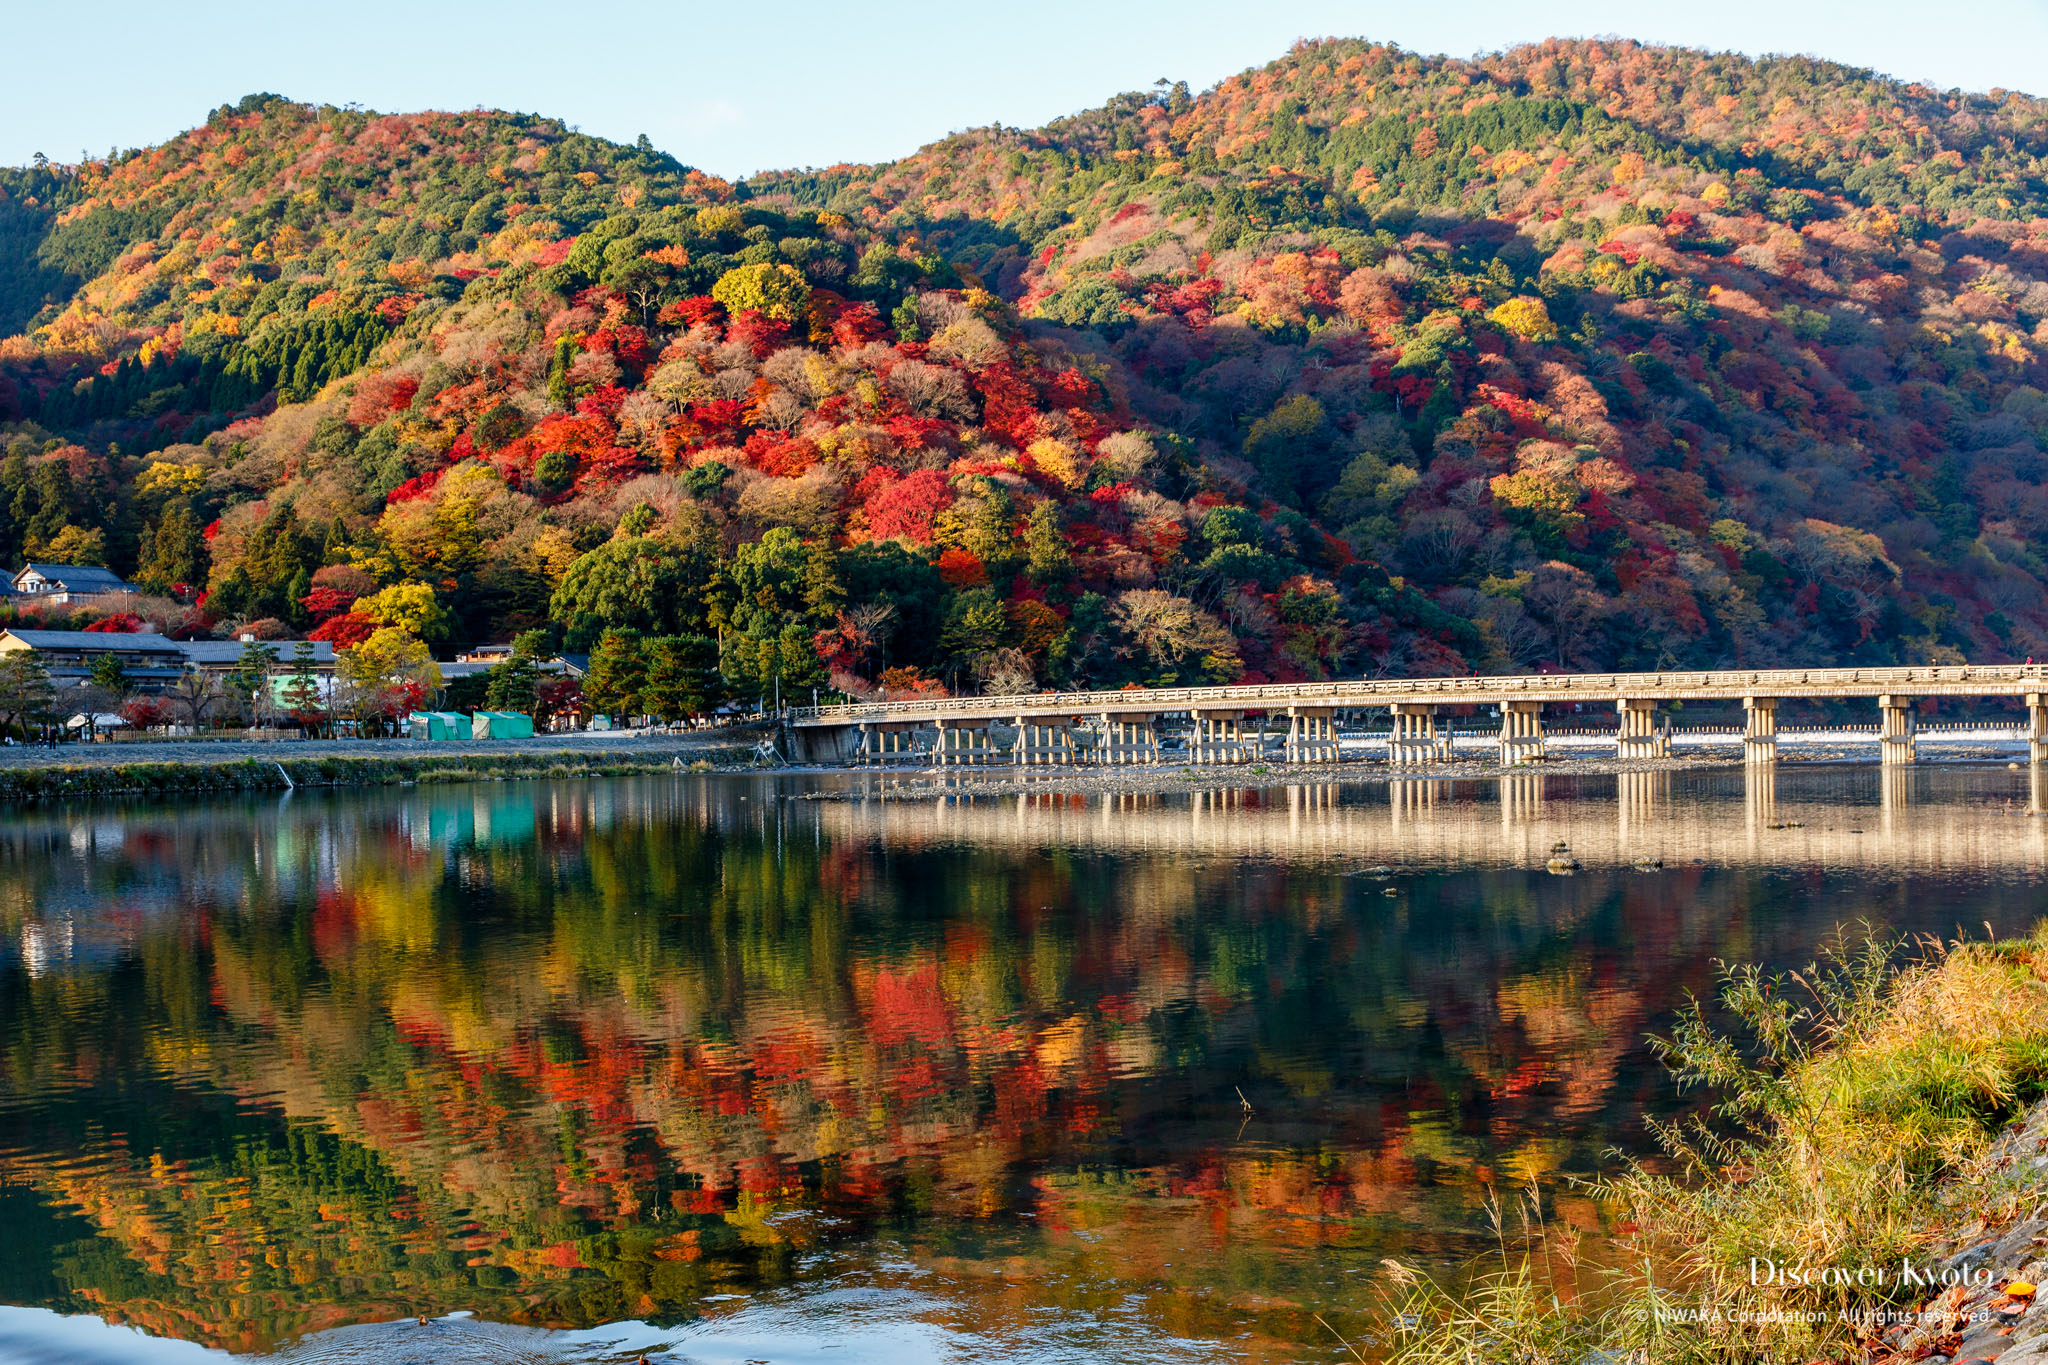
(99, 720)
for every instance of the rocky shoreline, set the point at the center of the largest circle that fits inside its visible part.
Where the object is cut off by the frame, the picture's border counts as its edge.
(1990, 1264)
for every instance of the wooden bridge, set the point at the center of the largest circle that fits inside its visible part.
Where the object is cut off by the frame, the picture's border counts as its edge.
(1234, 724)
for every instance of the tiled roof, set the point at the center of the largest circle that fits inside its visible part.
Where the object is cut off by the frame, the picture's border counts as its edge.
(99, 641)
(230, 651)
(78, 577)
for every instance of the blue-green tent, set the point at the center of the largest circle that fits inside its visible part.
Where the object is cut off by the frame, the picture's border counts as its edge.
(501, 725)
(437, 725)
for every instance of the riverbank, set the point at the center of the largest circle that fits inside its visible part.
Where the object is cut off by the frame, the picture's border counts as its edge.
(1871, 1186)
(29, 773)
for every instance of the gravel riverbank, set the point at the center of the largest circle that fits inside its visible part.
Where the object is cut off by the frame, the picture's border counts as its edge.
(600, 743)
(30, 773)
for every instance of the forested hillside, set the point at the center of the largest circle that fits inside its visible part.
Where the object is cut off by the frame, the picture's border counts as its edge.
(1581, 355)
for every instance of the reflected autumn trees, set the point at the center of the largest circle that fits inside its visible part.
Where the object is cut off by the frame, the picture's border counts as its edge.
(566, 1054)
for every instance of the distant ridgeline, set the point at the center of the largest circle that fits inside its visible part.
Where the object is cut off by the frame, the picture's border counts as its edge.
(1583, 355)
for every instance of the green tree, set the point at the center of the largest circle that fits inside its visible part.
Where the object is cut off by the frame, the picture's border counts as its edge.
(767, 662)
(173, 551)
(107, 673)
(302, 689)
(26, 692)
(884, 574)
(249, 680)
(1293, 447)
(617, 676)
(1045, 544)
(513, 684)
(766, 582)
(975, 629)
(682, 677)
(648, 583)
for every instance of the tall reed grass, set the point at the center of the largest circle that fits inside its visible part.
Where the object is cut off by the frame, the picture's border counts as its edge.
(1847, 1099)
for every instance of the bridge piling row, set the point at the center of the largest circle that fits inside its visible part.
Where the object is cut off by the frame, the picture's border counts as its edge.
(1896, 723)
(1311, 734)
(1042, 742)
(1641, 736)
(1521, 732)
(1414, 738)
(1759, 730)
(965, 743)
(1219, 737)
(1231, 724)
(1129, 738)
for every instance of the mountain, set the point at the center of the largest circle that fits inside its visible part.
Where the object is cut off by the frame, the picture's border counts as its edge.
(1584, 354)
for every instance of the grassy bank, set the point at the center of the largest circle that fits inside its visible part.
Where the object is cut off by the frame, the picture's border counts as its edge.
(60, 782)
(1852, 1100)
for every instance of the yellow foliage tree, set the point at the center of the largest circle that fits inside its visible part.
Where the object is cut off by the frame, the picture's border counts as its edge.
(388, 673)
(71, 545)
(167, 478)
(1526, 318)
(1547, 499)
(1058, 459)
(411, 607)
(777, 291)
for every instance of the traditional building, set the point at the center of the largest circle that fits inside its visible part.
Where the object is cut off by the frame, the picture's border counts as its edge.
(67, 584)
(224, 656)
(152, 663)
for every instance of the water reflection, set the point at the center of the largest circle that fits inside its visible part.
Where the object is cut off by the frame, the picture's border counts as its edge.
(567, 1055)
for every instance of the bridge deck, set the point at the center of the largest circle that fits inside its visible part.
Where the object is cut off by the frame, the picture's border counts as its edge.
(1984, 680)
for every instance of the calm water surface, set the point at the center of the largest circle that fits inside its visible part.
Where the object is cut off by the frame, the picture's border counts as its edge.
(724, 1069)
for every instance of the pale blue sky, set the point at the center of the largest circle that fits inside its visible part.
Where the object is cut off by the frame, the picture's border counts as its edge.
(746, 85)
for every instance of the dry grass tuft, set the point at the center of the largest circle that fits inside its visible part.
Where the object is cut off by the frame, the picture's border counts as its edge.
(1846, 1094)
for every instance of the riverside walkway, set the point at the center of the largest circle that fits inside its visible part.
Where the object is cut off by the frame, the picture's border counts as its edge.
(1233, 724)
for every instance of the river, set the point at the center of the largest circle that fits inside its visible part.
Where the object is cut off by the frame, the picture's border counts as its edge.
(719, 1068)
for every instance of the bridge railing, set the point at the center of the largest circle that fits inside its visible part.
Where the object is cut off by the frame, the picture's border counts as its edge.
(1367, 692)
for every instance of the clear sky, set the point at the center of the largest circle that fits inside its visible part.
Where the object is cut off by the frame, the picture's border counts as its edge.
(748, 85)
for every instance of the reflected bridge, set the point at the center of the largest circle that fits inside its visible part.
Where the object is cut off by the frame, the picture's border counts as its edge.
(1884, 821)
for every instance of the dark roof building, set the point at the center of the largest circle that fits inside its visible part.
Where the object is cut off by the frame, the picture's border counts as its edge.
(65, 583)
(151, 662)
(225, 654)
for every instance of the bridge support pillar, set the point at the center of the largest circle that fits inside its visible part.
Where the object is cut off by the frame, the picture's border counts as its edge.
(1897, 723)
(1041, 741)
(887, 743)
(872, 740)
(1414, 739)
(2037, 727)
(1311, 734)
(1129, 738)
(1218, 737)
(1521, 732)
(1759, 729)
(963, 743)
(1640, 735)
